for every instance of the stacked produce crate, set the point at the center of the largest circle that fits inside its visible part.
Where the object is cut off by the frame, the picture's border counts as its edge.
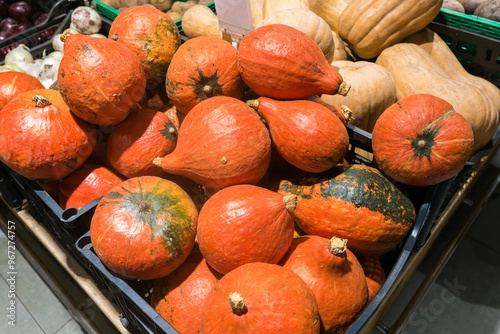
(476, 44)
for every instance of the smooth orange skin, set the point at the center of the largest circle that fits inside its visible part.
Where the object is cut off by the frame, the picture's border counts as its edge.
(281, 62)
(199, 63)
(84, 185)
(278, 301)
(13, 83)
(337, 281)
(151, 34)
(374, 272)
(307, 134)
(145, 135)
(254, 222)
(221, 142)
(408, 118)
(144, 244)
(43, 144)
(100, 79)
(180, 296)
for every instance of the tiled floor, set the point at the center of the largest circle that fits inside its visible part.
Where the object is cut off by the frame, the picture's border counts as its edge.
(465, 298)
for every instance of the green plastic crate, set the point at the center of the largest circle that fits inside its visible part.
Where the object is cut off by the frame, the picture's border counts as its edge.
(111, 13)
(469, 22)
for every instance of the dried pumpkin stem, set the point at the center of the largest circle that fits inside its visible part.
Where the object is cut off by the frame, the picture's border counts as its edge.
(157, 161)
(208, 90)
(254, 104)
(41, 101)
(237, 304)
(347, 112)
(65, 35)
(337, 246)
(344, 88)
(290, 201)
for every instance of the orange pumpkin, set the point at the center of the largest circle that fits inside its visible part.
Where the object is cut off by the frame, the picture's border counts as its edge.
(245, 223)
(179, 297)
(260, 298)
(221, 142)
(354, 202)
(13, 83)
(307, 134)
(144, 228)
(281, 62)
(100, 79)
(374, 272)
(84, 185)
(203, 67)
(421, 140)
(334, 275)
(41, 139)
(135, 142)
(151, 34)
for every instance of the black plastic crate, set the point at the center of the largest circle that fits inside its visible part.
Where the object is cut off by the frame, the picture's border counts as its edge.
(9, 190)
(132, 297)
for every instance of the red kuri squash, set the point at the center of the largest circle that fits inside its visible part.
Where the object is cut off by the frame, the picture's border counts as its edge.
(421, 140)
(13, 83)
(260, 298)
(144, 228)
(374, 272)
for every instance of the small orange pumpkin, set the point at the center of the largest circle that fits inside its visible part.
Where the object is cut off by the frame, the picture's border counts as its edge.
(13, 83)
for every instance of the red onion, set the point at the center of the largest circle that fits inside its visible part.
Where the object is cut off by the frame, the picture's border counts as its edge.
(6, 23)
(18, 28)
(20, 9)
(41, 18)
(3, 35)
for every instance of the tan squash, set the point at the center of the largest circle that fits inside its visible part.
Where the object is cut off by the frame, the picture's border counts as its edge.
(329, 10)
(370, 26)
(256, 11)
(440, 51)
(307, 22)
(342, 51)
(416, 72)
(271, 6)
(199, 20)
(373, 90)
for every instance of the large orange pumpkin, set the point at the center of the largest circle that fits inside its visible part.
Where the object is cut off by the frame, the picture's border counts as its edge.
(334, 275)
(151, 34)
(260, 298)
(203, 67)
(221, 142)
(245, 223)
(13, 83)
(144, 228)
(100, 79)
(281, 62)
(41, 139)
(421, 140)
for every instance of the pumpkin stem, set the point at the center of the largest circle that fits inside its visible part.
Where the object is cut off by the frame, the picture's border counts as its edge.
(347, 113)
(290, 201)
(157, 161)
(208, 90)
(114, 37)
(337, 246)
(41, 101)
(65, 35)
(344, 88)
(144, 207)
(237, 304)
(253, 104)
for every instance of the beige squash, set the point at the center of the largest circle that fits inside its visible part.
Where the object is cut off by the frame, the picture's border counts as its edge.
(307, 22)
(373, 90)
(199, 20)
(256, 11)
(439, 50)
(342, 51)
(415, 72)
(271, 6)
(329, 10)
(370, 26)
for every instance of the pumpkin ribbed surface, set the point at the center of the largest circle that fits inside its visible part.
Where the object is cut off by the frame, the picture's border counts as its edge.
(13, 83)
(144, 228)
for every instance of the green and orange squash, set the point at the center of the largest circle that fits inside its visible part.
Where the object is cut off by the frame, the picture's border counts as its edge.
(144, 228)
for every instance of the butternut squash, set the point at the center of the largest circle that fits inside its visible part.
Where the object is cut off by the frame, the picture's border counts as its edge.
(373, 90)
(370, 26)
(439, 50)
(416, 72)
(307, 22)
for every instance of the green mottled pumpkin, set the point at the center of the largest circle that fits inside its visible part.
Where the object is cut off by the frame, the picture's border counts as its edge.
(144, 228)
(353, 202)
